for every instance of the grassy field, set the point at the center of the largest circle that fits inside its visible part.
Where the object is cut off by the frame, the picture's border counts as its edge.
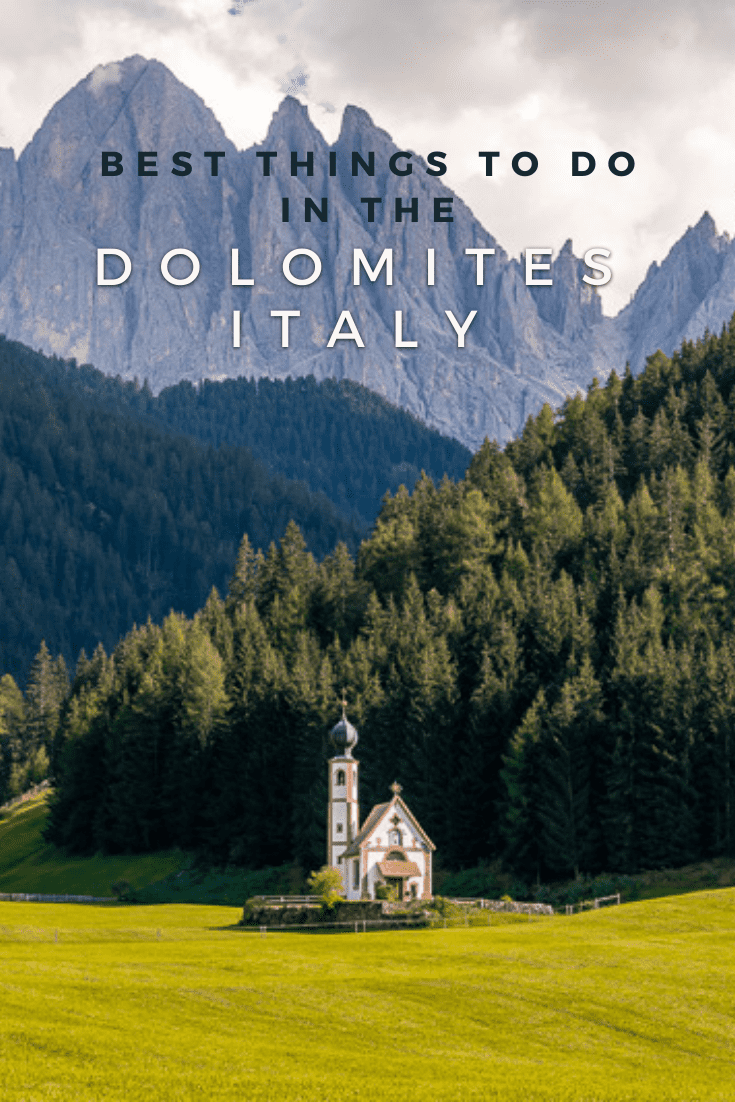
(171, 1002)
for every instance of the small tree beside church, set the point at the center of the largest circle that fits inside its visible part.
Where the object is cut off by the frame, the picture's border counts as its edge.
(326, 883)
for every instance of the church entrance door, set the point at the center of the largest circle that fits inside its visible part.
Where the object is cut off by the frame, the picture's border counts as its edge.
(397, 883)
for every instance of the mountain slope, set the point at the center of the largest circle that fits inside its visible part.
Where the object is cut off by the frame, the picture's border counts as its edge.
(59, 210)
(526, 345)
(106, 520)
(338, 437)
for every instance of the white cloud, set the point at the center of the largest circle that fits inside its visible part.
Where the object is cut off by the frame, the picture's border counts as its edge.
(103, 76)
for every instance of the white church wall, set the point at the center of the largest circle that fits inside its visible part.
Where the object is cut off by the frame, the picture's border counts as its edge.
(343, 867)
(373, 874)
(370, 875)
(348, 878)
(395, 830)
(339, 819)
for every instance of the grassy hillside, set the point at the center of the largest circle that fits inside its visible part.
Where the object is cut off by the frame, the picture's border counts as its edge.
(489, 881)
(28, 864)
(623, 1004)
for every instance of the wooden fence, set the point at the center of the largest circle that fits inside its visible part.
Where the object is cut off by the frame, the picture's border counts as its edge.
(592, 904)
(297, 900)
(32, 897)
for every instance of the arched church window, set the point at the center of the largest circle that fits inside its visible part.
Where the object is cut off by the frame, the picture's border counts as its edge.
(395, 838)
(396, 855)
(339, 828)
(340, 776)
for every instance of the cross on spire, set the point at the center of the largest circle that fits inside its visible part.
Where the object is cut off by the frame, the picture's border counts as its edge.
(396, 788)
(344, 704)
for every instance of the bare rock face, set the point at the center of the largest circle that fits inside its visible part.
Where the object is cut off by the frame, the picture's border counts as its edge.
(682, 296)
(526, 346)
(48, 296)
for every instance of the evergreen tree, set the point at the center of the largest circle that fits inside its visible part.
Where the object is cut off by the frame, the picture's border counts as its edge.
(13, 764)
(47, 687)
(650, 819)
(482, 742)
(519, 816)
(566, 751)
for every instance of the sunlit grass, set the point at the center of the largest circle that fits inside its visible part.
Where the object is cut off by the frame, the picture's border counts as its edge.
(29, 864)
(168, 1002)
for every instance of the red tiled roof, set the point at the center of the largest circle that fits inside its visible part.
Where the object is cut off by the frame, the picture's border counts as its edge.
(399, 868)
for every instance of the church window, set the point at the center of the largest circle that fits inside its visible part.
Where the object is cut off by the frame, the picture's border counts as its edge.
(395, 838)
(356, 875)
(340, 776)
(413, 891)
(396, 855)
(340, 828)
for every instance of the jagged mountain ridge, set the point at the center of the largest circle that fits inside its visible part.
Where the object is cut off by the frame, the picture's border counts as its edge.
(526, 345)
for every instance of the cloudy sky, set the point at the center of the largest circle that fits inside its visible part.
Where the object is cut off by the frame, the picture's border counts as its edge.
(550, 76)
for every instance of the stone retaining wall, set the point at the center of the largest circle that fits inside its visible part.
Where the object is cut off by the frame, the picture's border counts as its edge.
(311, 914)
(518, 908)
(308, 914)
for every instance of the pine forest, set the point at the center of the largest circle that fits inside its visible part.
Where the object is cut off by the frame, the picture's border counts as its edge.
(541, 652)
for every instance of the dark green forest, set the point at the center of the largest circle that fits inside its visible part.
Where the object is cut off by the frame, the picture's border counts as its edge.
(337, 436)
(542, 654)
(116, 506)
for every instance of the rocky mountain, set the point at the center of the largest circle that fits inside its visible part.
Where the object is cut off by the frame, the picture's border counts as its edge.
(525, 346)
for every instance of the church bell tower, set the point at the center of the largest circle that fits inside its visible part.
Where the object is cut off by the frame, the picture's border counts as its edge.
(343, 815)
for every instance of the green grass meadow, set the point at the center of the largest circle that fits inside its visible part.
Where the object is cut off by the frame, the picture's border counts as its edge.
(28, 864)
(171, 1002)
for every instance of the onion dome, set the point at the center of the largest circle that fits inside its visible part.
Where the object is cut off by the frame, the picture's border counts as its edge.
(343, 737)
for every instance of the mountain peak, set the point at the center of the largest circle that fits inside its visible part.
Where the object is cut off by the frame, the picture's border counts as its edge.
(291, 125)
(356, 117)
(531, 344)
(121, 74)
(289, 108)
(702, 239)
(357, 123)
(706, 225)
(138, 96)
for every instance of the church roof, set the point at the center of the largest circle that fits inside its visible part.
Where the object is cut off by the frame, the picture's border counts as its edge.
(375, 816)
(343, 737)
(412, 818)
(367, 828)
(399, 868)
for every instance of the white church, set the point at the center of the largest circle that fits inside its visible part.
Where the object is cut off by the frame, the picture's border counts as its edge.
(390, 848)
